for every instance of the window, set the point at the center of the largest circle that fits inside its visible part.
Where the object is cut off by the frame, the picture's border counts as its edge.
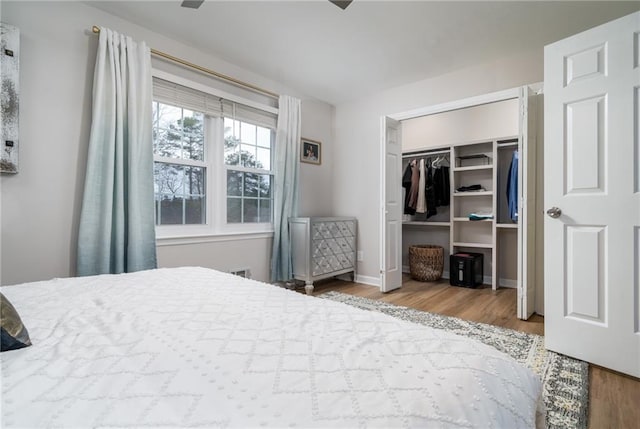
(179, 168)
(213, 162)
(247, 157)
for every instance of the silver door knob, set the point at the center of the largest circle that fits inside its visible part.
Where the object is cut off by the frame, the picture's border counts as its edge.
(554, 212)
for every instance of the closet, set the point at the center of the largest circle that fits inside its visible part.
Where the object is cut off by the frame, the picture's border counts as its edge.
(489, 151)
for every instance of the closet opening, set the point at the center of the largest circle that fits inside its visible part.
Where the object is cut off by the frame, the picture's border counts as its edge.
(464, 184)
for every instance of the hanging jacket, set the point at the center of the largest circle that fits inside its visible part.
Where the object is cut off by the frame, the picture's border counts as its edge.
(422, 202)
(406, 184)
(441, 185)
(430, 194)
(512, 187)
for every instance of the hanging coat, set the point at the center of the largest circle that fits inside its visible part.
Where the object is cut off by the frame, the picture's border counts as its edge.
(430, 194)
(406, 184)
(422, 201)
(512, 187)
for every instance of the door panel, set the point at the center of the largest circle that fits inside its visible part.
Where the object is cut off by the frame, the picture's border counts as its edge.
(391, 225)
(592, 292)
(584, 145)
(586, 266)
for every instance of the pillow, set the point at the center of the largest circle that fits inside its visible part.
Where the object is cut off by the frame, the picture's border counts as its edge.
(13, 334)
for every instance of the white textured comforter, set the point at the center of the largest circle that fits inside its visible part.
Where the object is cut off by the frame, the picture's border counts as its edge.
(192, 347)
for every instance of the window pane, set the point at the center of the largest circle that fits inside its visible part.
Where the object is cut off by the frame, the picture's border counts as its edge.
(170, 210)
(234, 210)
(179, 193)
(248, 156)
(168, 116)
(168, 178)
(234, 183)
(193, 135)
(194, 210)
(231, 143)
(265, 211)
(194, 181)
(250, 211)
(251, 184)
(265, 186)
(248, 133)
(264, 137)
(264, 158)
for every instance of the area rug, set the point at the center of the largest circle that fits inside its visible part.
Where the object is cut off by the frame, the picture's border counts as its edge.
(565, 380)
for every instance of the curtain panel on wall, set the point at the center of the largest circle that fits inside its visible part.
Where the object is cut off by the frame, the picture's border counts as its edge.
(286, 185)
(117, 232)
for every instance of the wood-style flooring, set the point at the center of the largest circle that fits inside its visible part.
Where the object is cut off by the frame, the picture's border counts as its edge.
(614, 399)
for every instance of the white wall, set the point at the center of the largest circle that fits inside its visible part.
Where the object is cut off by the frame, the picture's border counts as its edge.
(357, 138)
(487, 121)
(41, 204)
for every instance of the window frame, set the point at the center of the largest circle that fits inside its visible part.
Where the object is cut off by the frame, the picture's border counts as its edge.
(215, 227)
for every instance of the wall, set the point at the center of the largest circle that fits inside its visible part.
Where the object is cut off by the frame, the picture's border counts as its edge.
(488, 121)
(357, 138)
(40, 206)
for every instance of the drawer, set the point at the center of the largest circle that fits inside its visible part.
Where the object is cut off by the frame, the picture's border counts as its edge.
(346, 260)
(346, 245)
(347, 228)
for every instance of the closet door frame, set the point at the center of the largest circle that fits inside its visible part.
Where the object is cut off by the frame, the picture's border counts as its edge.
(508, 94)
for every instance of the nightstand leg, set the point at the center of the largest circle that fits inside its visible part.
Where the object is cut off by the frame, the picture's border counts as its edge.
(308, 287)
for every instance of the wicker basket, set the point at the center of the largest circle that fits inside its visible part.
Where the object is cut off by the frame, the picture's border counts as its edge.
(426, 262)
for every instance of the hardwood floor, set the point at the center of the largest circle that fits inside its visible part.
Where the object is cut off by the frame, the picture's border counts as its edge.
(614, 399)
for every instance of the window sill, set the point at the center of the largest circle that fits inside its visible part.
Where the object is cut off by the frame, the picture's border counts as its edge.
(198, 238)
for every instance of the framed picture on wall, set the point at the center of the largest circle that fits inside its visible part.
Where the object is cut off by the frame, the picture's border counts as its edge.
(311, 151)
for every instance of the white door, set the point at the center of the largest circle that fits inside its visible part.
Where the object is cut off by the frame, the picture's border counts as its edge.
(527, 204)
(391, 198)
(592, 187)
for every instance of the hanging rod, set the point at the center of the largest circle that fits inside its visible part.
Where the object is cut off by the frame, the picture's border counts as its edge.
(428, 153)
(233, 81)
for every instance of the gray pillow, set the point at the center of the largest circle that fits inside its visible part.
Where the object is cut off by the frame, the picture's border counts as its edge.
(13, 333)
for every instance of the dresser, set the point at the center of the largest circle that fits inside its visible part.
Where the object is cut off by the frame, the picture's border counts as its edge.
(322, 247)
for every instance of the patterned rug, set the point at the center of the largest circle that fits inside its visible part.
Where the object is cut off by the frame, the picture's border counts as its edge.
(565, 380)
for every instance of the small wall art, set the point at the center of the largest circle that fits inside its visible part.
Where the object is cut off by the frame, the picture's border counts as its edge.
(9, 97)
(311, 151)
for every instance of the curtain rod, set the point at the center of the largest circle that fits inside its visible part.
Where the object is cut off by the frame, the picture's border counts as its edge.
(233, 81)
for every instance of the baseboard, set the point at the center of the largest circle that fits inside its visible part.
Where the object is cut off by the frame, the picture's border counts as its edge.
(510, 283)
(368, 280)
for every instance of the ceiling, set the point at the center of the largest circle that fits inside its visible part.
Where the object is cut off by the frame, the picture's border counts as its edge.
(339, 55)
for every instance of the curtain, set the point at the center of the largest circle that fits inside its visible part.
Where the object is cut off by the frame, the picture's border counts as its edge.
(286, 184)
(117, 231)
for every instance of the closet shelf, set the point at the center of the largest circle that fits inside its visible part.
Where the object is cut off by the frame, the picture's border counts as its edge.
(474, 167)
(507, 225)
(422, 223)
(477, 245)
(466, 219)
(472, 193)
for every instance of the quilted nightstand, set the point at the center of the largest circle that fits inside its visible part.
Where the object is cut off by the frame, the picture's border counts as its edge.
(322, 247)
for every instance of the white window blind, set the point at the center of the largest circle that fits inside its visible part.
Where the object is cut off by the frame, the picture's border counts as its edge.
(179, 95)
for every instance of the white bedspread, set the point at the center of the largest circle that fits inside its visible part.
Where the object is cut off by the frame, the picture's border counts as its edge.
(192, 347)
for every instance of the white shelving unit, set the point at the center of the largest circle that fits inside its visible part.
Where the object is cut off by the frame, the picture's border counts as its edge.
(483, 163)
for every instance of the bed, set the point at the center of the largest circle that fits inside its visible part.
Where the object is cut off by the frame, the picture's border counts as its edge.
(194, 347)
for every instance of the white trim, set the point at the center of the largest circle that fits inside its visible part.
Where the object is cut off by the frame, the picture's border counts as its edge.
(210, 238)
(208, 90)
(367, 280)
(506, 94)
(510, 283)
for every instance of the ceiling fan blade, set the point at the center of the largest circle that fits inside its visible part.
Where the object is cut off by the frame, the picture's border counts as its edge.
(192, 4)
(341, 4)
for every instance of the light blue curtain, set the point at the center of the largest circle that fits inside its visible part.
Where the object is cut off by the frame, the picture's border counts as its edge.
(286, 184)
(117, 232)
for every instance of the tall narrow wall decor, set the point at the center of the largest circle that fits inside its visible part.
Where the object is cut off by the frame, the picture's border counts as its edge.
(9, 97)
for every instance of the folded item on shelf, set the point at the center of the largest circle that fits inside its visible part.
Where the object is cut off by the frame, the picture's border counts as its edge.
(480, 216)
(470, 188)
